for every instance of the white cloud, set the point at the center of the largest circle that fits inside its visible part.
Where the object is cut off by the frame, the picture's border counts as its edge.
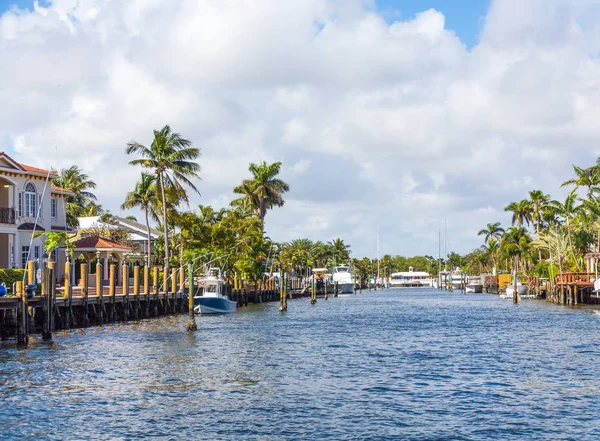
(397, 124)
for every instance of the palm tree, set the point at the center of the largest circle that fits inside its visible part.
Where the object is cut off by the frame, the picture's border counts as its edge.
(585, 178)
(266, 189)
(538, 201)
(249, 200)
(339, 249)
(172, 159)
(142, 197)
(74, 180)
(521, 212)
(566, 210)
(492, 231)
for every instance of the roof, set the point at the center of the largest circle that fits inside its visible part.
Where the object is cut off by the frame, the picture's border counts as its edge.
(27, 168)
(29, 226)
(60, 190)
(99, 243)
(94, 222)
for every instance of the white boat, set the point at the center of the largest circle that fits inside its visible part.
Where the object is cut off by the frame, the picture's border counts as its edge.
(474, 285)
(457, 276)
(343, 276)
(212, 300)
(510, 290)
(410, 278)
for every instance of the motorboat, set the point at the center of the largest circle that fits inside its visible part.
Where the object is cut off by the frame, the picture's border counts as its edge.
(410, 278)
(342, 275)
(212, 300)
(474, 285)
(457, 277)
(510, 290)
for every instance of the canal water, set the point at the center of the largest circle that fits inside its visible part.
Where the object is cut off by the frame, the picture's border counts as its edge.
(395, 364)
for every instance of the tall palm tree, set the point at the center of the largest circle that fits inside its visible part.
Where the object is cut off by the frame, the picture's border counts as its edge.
(173, 160)
(248, 199)
(74, 180)
(492, 231)
(588, 177)
(566, 210)
(340, 250)
(538, 201)
(521, 212)
(265, 187)
(142, 197)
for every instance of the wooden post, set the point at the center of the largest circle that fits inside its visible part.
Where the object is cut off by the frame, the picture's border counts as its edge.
(46, 304)
(191, 317)
(181, 278)
(100, 291)
(112, 284)
(136, 291)
(68, 296)
(125, 278)
(282, 292)
(313, 298)
(335, 289)
(155, 281)
(147, 290)
(84, 293)
(173, 289)
(22, 316)
(166, 285)
(31, 272)
(575, 295)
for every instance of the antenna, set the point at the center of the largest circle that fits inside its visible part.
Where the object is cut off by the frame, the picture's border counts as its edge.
(377, 254)
(445, 245)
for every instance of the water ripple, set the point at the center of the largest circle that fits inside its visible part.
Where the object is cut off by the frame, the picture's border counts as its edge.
(410, 365)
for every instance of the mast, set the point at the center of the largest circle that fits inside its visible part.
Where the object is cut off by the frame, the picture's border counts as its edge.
(378, 266)
(439, 249)
(445, 246)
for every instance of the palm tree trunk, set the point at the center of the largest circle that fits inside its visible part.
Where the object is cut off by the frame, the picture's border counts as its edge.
(571, 245)
(262, 210)
(165, 226)
(149, 237)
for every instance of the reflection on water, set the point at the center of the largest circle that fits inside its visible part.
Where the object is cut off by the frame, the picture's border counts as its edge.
(396, 364)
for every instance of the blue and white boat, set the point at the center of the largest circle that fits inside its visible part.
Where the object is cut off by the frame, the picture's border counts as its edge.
(212, 300)
(342, 275)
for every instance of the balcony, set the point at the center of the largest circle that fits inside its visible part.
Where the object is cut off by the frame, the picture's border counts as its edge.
(7, 216)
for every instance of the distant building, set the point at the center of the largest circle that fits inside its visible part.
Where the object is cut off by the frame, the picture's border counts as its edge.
(136, 234)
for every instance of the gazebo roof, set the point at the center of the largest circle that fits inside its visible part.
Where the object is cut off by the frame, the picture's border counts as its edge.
(96, 243)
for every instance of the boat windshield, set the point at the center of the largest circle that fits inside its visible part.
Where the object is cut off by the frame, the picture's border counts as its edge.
(342, 270)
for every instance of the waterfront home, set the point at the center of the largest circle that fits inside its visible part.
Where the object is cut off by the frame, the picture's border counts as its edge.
(135, 232)
(28, 201)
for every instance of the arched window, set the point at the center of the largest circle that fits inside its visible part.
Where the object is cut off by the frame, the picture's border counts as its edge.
(30, 200)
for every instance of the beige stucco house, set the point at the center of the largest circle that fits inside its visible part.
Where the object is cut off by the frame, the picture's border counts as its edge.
(28, 201)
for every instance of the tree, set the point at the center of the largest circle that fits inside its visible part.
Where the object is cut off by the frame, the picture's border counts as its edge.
(74, 180)
(585, 178)
(492, 231)
(521, 212)
(142, 197)
(566, 211)
(264, 188)
(173, 160)
(340, 250)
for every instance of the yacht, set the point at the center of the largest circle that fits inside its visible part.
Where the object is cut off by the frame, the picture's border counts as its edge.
(510, 290)
(212, 300)
(410, 278)
(457, 277)
(474, 285)
(343, 276)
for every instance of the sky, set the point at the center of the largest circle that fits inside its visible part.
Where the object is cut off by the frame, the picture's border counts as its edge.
(404, 114)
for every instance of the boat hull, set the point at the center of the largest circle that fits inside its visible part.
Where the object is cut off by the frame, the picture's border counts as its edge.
(473, 288)
(346, 288)
(213, 305)
(521, 290)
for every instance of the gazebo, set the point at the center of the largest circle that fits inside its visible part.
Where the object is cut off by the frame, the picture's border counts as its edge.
(93, 247)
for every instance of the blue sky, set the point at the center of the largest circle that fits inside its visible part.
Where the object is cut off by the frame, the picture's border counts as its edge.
(464, 17)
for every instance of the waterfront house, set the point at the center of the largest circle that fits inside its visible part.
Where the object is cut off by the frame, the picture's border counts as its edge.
(28, 202)
(135, 233)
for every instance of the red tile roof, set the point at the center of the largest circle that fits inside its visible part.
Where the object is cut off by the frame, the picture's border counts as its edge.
(60, 190)
(29, 168)
(98, 242)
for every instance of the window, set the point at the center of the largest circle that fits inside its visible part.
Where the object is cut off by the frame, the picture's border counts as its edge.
(24, 256)
(53, 208)
(54, 255)
(30, 200)
(20, 204)
(36, 252)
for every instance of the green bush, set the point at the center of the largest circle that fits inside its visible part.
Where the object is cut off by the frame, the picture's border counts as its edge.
(542, 269)
(10, 276)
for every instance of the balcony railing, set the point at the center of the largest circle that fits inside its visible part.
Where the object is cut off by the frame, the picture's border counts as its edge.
(7, 216)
